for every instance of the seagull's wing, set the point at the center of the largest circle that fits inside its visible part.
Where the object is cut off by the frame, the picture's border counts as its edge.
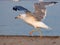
(40, 9)
(20, 8)
(28, 13)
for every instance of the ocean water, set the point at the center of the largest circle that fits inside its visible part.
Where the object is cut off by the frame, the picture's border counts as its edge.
(11, 26)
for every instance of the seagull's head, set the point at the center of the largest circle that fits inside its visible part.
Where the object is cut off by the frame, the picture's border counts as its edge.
(21, 16)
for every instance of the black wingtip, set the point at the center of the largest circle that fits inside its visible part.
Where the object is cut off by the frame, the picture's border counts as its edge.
(14, 8)
(54, 2)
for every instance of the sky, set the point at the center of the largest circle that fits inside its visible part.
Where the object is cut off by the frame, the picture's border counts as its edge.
(11, 26)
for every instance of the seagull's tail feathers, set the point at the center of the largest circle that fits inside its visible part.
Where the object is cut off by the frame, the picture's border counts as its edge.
(42, 25)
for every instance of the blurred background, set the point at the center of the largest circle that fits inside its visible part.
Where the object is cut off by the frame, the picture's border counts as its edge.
(11, 26)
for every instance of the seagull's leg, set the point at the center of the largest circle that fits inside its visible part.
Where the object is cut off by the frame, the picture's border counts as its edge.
(32, 32)
(36, 29)
(40, 32)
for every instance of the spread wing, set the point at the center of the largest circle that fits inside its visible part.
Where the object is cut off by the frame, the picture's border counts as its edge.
(40, 9)
(20, 8)
(28, 13)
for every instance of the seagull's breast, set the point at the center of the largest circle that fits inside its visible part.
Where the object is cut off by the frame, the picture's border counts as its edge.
(31, 21)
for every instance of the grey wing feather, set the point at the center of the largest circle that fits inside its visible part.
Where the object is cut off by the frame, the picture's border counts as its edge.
(40, 11)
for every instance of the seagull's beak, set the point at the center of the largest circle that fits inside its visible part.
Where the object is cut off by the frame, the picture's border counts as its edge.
(16, 17)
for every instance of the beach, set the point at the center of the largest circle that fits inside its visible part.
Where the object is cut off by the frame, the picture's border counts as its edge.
(29, 40)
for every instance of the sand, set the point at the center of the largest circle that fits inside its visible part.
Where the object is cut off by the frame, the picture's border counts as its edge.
(29, 40)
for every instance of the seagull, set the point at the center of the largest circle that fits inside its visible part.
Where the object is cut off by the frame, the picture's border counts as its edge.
(34, 18)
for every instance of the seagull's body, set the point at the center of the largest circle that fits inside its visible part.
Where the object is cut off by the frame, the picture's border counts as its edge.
(31, 20)
(34, 19)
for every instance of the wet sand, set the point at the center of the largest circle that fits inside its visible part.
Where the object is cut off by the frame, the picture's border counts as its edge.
(29, 40)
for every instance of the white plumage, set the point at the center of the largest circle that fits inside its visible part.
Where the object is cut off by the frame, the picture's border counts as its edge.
(34, 19)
